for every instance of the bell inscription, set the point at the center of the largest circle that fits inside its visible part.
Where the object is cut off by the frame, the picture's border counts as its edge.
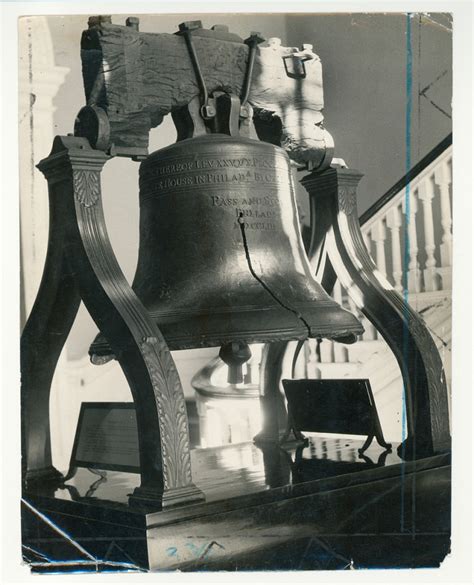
(220, 172)
(248, 186)
(250, 209)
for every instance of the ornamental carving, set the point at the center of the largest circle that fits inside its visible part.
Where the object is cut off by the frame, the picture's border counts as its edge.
(86, 187)
(347, 198)
(172, 415)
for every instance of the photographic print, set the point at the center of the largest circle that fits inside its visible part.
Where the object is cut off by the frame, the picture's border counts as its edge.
(236, 291)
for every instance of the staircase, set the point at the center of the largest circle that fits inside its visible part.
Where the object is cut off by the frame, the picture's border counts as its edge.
(418, 206)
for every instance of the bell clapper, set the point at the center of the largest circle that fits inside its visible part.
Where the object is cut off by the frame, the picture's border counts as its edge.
(235, 354)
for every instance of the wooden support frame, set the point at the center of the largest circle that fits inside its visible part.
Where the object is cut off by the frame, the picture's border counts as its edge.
(337, 250)
(335, 226)
(81, 264)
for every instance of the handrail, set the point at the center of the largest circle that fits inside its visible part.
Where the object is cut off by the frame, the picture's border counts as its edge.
(407, 178)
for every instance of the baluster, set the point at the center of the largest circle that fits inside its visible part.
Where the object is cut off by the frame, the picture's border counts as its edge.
(305, 353)
(379, 235)
(413, 271)
(201, 405)
(337, 292)
(366, 237)
(442, 177)
(426, 194)
(340, 352)
(300, 366)
(253, 365)
(312, 361)
(355, 311)
(370, 331)
(327, 354)
(352, 306)
(394, 222)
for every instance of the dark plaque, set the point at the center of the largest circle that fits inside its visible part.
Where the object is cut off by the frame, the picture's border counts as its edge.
(339, 406)
(107, 437)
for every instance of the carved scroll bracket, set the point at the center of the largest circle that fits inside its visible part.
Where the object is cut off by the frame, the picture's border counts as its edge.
(73, 173)
(335, 225)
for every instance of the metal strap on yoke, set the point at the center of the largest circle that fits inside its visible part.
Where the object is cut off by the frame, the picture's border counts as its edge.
(207, 110)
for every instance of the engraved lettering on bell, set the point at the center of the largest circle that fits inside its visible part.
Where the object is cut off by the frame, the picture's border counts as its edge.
(219, 178)
(214, 170)
(213, 163)
(259, 225)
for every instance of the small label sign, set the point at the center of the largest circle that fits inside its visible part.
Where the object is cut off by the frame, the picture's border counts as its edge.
(107, 437)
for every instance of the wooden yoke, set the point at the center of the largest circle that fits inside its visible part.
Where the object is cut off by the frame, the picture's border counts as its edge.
(137, 78)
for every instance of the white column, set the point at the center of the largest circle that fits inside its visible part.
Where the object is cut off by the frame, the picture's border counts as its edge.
(253, 365)
(201, 405)
(370, 333)
(353, 307)
(394, 222)
(38, 83)
(426, 194)
(443, 181)
(366, 237)
(327, 351)
(340, 352)
(379, 235)
(301, 365)
(337, 292)
(312, 360)
(413, 268)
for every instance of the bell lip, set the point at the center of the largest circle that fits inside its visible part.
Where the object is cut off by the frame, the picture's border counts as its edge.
(101, 348)
(166, 318)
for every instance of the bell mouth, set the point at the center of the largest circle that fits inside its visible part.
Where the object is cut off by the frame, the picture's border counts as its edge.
(216, 329)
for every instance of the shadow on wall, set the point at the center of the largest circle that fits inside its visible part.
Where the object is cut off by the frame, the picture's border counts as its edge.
(364, 59)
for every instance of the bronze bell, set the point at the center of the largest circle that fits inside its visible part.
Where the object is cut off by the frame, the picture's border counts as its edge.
(221, 258)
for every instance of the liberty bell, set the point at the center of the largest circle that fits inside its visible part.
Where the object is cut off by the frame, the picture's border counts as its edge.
(221, 259)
